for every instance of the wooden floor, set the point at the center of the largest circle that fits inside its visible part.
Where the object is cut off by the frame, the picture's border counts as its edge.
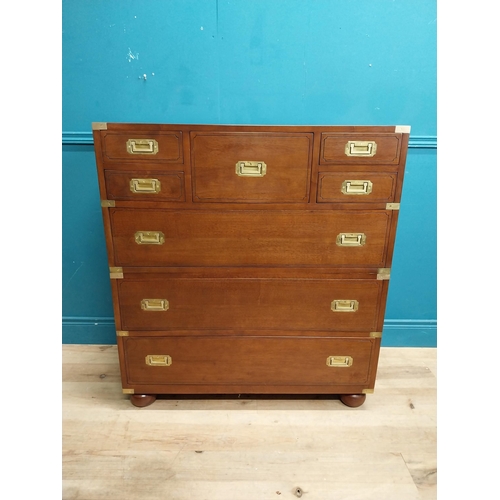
(249, 448)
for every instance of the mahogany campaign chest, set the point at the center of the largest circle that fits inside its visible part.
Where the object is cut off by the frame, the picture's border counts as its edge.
(249, 259)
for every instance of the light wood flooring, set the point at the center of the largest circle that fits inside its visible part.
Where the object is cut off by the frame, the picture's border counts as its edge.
(254, 448)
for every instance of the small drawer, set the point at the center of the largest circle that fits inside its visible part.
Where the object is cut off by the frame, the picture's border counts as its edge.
(359, 187)
(143, 146)
(247, 360)
(249, 237)
(360, 148)
(144, 186)
(251, 167)
(162, 302)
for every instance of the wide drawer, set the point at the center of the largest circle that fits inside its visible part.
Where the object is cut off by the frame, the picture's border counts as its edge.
(349, 187)
(360, 148)
(249, 237)
(144, 185)
(269, 361)
(141, 146)
(251, 167)
(166, 303)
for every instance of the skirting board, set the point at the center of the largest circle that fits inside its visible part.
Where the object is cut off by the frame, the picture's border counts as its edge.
(396, 332)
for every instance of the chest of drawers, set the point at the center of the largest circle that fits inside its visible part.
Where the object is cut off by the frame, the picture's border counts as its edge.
(249, 259)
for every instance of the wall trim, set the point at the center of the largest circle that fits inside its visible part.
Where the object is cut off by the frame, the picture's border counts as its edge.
(77, 139)
(409, 333)
(88, 330)
(396, 332)
(423, 141)
(87, 139)
(88, 320)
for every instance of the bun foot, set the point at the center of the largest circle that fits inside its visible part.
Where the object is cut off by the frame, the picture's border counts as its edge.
(353, 400)
(142, 400)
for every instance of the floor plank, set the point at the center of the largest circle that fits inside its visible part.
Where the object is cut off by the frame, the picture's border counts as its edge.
(249, 448)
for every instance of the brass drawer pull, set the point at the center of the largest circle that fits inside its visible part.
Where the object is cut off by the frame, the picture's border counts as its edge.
(149, 238)
(357, 187)
(158, 360)
(251, 168)
(145, 186)
(361, 148)
(154, 304)
(142, 146)
(351, 239)
(345, 305)
(339, 361)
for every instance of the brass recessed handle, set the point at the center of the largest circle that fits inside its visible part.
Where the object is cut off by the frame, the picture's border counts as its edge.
(344, 305)
(339, 361)
(158, 360)
(145, 186)
(149, 238)
(361, 148)
(357, 187)
(142, 146)
(351, 239)
(251, 168)
(155, 304)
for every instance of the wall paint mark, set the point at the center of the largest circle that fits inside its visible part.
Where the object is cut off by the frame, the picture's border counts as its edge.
(73, 275)
(132, 56)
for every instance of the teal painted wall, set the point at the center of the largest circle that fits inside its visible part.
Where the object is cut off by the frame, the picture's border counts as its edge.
(255, 62)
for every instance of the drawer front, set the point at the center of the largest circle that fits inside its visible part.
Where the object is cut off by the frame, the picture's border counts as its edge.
(361, 148)
(249, 237)
(349, 187)
(167, 303)
(144, 186)
(251, 167)
(247, 360)
(143, 146)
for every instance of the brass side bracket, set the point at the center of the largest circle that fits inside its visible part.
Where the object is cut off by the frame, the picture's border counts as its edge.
(128, 391)
(367, 391)
(384, 273)
(116, 272)
(107, 203)
(376, 335)
(121, 333)
(99, 126)
(392, 206)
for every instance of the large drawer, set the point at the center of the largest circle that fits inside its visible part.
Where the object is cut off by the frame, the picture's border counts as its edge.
(269, 361)
(251, 167)
(166, 303)
(157, 237)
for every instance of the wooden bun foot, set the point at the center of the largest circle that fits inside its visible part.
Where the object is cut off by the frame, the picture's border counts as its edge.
(353, 400)
(142, 400)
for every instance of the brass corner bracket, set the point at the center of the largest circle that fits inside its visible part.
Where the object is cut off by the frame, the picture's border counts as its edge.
(402, 129)
(121, 333)
(107, 203)
(99, 126)
(128, 391)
